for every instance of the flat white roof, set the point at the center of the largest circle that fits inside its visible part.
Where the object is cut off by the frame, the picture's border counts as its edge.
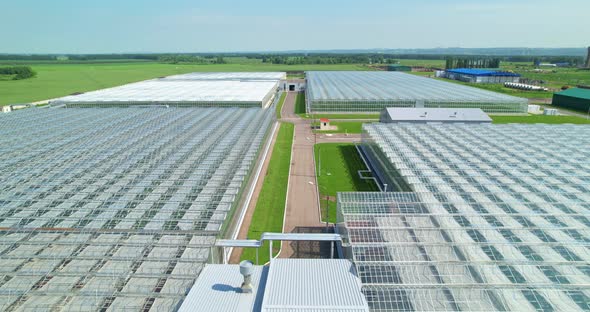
(218, 289)
(189, 88)
(326, 285)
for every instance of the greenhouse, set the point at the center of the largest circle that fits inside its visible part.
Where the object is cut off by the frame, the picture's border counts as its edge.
(485, 226)
(349, 91)
(116, 209)
(195, 89)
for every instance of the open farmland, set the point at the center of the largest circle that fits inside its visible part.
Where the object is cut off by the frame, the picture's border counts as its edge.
(60, 79)
(551, 77)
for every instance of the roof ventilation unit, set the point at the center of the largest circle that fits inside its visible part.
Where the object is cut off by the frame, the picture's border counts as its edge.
(246, 269)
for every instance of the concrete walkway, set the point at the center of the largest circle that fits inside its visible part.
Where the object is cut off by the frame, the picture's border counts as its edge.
(303, 211)
(302, 208)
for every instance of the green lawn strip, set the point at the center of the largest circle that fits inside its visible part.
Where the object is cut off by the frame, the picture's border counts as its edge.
(338, 173)
(300, 103)
(339, 116)
(270, 208)
(343, 127)
(540, 119)
(280, 104)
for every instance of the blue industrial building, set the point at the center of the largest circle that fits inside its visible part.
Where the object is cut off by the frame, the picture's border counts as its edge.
(480, 75)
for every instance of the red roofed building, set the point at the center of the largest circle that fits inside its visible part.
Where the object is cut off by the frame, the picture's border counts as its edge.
(324, 124)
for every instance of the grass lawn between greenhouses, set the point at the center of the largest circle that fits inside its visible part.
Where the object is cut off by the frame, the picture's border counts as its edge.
(337, 166)
(340, 116)
(300, 103)
(343, 127)
(270, 208)
(546, 119)
(280, 104)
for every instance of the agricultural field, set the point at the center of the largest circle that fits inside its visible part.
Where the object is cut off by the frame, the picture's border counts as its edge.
(496, 87)
(62, 78)
(553, 77)
(337, 166)
(423, 63)
(270, 208)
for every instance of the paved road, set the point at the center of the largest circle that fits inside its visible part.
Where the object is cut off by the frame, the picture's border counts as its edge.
(302, 208)
(338, 138)
(568, 112)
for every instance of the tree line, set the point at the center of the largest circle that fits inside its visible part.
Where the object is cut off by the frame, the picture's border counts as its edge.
(192, 59)
(19, 72)
(291, 58)
(327, 59)
(452, 62)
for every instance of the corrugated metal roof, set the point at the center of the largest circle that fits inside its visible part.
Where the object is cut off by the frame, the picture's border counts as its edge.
(313, 285)
(218, 290)
(410, 114)
(481, 72)
(576, 92)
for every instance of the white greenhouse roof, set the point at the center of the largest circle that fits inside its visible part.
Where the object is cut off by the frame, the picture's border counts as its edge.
(382, 86)
(498, 219)
(110, 209)
(193, 88)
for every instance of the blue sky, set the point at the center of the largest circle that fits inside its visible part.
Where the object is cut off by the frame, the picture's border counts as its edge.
(114, 26)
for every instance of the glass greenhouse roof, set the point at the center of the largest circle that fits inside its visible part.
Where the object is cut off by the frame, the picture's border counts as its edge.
(498, 220)
(117, 208)
(351, 91)
(378, 85)
(255, 89)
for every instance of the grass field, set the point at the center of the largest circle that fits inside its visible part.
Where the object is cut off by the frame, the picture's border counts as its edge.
(495, 87)
(60, 79)
(539, 119)
(424, 63)
(340, 116)
(300, 103)
(344, 127)
(280, 105)
(336, 166)
(270, 208)
(553, 78)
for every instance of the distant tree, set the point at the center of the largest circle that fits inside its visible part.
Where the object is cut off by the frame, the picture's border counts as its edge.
(19, 72)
